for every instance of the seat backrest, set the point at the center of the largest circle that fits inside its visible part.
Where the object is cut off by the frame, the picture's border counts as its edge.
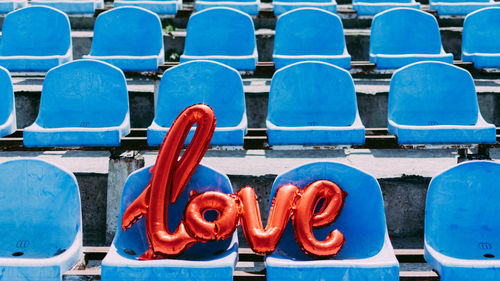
(432, 93)
(211, 83)
(312, 94)
(481, 33)
(461, 211)
(83, 93)
(35, 31)
(362, 219)
(405, 31)
(127, 31)
(39, 207)
(6, 96)
(135, 238)
(220, 31)
(309, 31)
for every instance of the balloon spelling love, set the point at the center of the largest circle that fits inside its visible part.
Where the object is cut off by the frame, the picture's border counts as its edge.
(317, 205)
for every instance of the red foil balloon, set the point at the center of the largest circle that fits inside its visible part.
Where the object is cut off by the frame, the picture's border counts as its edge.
(305, 218)
(264, 241)
(170, 177)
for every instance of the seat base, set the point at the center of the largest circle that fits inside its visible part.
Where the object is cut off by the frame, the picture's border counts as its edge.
(9, 6)
(251, 7)
(72, 7)
(240, 63)
(283, 7)
(159, 7)
(460, 8)
(131, 63)
(343, 61)
(371, 9)
(384, 61)
(483, 60)
(32, 63)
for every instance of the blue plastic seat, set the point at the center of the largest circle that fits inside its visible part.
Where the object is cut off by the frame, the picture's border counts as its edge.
(41, 233)
(461, 222)
(373, 7)
(436, 103)
(35, 38)
(401, 36)
(310, 34)
(225, 35)
(251, 7)
(283, 6)
(212, 83)
(7, 6)
(203, 261)
(458, 7)
(8, 123)
(367, 253)
(83, 103)
(129, 38)
(313, 103)
(481, 38)
(72, 6)
(160, 7)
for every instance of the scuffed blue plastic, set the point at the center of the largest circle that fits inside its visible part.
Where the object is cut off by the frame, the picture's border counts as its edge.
(35, 38)
(129, 38)
(251, 7)
(72, 6)
(203, 261)
(161, 7)
(367, 253)
(212, 83)
(373, 7)
(402, 36)
(310, 34)
(224, 35)
(41, 218)
(481, 38)
(436, 103)
(460, 8)
(461, 222)
(83, 103)
(282, 6)
(313, 103)
(8, 123)
(7, 6)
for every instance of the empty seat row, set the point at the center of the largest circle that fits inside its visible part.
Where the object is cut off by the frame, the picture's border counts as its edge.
(41, 200)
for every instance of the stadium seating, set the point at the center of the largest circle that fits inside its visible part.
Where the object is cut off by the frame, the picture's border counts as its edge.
(310, 34)
(458, 7)
(251, 7)
(41, 231)
(203, 261)
(83, 103)
(367, 253)
(72, 6)
(481, 38)
(313, 103)
(461, 222)
(212, 83)
(35, 38)
(129, 38)
(401, 36)
(160, 7)
(225, 35)
(436, 103)
(283, 6)
(7, 6)
(373, 7)
(7, 106)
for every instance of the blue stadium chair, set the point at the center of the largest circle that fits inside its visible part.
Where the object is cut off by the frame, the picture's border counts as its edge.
(212, 83)
(283, 6)
(458, 7)
(313, 103)
(225, 35)
(35, 39)
(7, 6)
(83, 103)
(310, 34)
(461, 222)
(401, 36)
(72, 6)
(8, 123)
(129, 38)
(41, 233)
(481, 38)
(436, 103)
(367, 253)
(251, 7)
(160, 7)
(203, 261)
(373, 7)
